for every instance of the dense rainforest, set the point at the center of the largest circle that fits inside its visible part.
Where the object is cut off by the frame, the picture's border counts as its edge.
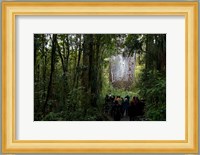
(75, 75)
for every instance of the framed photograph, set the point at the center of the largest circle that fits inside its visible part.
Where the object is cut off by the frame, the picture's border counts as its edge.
(100, 77)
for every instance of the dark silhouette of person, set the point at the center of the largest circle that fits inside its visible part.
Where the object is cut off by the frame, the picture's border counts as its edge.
(107, 104)
(125, 106)
(117, 111)
(132, 109)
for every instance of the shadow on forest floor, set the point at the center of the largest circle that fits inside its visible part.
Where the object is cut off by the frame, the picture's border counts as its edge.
(126, 118)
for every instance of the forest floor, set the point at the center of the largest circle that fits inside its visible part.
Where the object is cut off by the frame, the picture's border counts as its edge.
(125, 118)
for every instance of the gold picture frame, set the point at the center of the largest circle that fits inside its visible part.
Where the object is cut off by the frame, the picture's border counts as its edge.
(12, 9)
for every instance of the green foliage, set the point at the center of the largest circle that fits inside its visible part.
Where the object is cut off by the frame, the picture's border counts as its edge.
(74, 109)
(134, 42)
(152, 88)
(53, 117)
(156, 112)
(77, 115)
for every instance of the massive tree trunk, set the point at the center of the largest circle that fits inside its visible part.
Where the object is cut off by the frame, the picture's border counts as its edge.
(86, 74)
(96, 71)
(91, 77)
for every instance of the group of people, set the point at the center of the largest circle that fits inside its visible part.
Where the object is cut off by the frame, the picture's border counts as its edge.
(118, 107)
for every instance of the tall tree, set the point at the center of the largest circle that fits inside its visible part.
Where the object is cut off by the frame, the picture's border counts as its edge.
(49, 90)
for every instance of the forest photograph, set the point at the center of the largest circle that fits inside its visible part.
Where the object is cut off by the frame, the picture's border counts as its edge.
(99, 77)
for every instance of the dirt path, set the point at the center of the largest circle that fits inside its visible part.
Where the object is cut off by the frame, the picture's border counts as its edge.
(125, 118)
